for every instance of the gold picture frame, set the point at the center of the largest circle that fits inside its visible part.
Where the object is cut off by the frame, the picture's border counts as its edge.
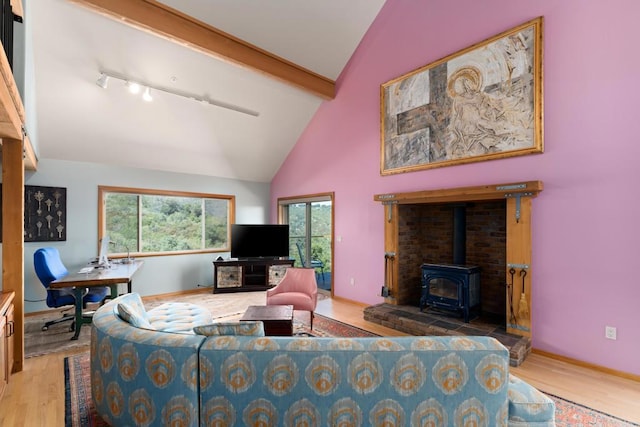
(480, 103)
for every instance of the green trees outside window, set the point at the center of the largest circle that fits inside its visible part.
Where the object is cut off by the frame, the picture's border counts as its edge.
(320, 231)
(155, 222)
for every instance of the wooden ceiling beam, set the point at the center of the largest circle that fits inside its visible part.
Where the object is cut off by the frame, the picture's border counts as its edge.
(163, 21)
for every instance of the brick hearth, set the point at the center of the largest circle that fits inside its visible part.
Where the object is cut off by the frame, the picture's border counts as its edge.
(409, 319)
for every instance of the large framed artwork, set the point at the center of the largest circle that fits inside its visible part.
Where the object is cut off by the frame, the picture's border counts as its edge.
(481, 103)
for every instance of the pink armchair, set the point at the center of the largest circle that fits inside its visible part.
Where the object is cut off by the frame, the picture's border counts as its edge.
(298, 288)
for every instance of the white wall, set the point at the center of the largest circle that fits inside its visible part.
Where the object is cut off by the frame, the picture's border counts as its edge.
(159, 274)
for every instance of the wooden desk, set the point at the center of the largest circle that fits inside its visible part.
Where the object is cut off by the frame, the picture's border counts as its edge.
(81, 282)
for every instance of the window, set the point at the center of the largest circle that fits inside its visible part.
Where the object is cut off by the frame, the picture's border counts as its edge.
(155, 222)
(310, 220)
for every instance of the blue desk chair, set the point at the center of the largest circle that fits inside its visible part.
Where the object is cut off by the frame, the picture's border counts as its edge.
(49, 267)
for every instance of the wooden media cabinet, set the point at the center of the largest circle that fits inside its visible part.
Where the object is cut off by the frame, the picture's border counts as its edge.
(257, 274)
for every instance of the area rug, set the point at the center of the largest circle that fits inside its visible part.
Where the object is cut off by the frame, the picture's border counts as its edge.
(575, 415)
(57, 338)
(229, 306)
(79, 409)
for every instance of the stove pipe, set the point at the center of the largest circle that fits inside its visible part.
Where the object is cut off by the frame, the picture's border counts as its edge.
(459, 234)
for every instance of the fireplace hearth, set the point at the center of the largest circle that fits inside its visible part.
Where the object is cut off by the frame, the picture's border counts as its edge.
(433, 322)
(485, 226)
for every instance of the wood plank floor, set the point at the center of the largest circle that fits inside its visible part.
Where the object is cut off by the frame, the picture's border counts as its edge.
(35, 396)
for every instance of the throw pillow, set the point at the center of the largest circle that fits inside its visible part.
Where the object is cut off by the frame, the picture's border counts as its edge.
(133, 316)
(249, 328)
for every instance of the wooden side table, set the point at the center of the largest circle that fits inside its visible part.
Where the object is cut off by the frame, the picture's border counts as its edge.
(277, 319)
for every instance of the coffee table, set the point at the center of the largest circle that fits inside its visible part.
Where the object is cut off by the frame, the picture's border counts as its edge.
(277, 319)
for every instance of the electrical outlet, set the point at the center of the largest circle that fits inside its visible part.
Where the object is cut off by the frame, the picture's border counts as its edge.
(610, 332)
(352, 281)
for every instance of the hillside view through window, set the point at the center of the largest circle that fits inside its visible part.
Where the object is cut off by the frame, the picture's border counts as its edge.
(152, 222)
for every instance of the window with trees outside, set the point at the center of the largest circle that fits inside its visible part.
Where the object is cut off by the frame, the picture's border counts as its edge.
(144, 222)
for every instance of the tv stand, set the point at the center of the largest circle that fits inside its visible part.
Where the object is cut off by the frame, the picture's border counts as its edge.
(245, 275)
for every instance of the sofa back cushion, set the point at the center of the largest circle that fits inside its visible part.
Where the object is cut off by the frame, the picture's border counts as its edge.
(246, 328)
(354, 381)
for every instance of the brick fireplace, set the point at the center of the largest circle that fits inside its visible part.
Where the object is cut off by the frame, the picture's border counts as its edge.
(419, 228)
(425, 235)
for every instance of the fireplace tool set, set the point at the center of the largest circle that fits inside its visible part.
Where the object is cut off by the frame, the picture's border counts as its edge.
(523, 307)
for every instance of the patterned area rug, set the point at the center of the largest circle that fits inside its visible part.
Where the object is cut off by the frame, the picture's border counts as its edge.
(57, 338)
(79, 410)
(571, 414)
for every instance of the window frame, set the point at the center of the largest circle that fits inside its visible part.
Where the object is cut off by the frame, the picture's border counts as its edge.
(105, 189)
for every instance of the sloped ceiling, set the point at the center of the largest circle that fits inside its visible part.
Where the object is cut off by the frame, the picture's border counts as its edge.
(78, 120)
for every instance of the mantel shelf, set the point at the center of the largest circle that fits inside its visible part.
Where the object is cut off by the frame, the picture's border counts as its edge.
(462, 194)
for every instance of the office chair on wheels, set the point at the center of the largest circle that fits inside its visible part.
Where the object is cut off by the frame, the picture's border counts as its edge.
(49, 267)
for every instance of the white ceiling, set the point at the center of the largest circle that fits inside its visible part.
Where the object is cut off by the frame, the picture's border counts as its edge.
(77, 120)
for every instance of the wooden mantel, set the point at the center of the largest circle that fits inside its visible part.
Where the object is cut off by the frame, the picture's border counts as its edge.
(517, 195)
(462, 194)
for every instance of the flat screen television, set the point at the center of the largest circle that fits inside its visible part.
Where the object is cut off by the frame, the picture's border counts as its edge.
(259, 241)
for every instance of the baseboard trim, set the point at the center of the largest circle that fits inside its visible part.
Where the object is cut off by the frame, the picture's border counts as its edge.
(201, 290)
(346, 300)
(587, 365)
(60, 310)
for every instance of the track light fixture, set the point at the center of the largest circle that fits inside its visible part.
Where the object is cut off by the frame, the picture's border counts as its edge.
(147, 95)
(103, 81)
(135, 86)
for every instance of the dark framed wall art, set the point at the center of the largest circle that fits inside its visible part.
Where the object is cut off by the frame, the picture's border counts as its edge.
(45, 213)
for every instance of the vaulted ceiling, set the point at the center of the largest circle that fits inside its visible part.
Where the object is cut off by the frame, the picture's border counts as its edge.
(78, 120)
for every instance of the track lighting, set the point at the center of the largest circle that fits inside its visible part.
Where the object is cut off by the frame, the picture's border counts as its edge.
(135, 86)
(147, 95)
(103, 81)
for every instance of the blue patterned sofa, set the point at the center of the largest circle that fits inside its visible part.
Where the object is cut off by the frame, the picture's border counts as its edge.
(237, 376)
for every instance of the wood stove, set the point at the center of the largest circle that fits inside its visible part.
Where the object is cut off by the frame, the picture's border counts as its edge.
(451, 287)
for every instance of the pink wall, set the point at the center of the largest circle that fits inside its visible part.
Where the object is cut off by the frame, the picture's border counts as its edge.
(585, 222)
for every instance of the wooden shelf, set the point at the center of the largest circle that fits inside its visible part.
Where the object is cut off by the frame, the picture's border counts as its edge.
(12, 114)
(17, 155)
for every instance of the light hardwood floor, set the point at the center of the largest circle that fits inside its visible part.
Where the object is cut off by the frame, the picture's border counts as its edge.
(35, 396)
